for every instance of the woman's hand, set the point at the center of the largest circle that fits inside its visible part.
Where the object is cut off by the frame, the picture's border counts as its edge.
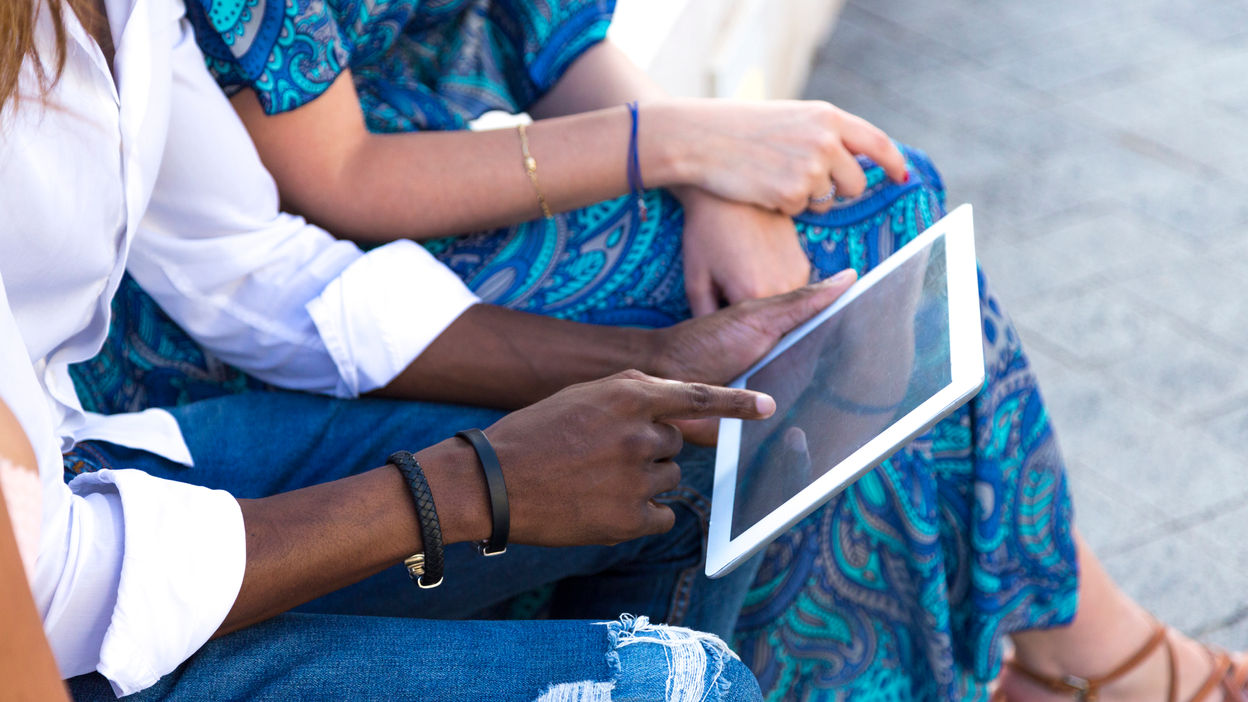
(584, 465)
(783, 155)
(735, 252)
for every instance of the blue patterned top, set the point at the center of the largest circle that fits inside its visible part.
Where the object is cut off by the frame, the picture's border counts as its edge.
(417, 64)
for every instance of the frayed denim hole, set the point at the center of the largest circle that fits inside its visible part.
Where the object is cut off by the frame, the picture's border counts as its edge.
(690, 655)
(584, 691)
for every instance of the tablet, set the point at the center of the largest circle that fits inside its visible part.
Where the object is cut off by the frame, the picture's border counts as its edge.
(898, 351)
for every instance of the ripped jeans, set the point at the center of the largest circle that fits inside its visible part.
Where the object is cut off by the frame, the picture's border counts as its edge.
(384, 638)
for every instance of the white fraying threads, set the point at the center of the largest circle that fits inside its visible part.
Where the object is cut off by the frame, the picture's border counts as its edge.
(24, 499)
(584, 691)
(687, 655)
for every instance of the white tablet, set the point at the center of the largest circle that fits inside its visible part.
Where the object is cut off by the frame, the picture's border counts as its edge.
(900, 350)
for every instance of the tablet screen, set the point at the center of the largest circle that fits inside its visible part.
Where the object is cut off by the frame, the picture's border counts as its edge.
(874, 361)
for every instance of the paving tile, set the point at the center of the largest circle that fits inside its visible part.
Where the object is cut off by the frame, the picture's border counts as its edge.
(971, 29)
(1175, 114)
(1179, 373)
(1205, 291)
(1083, 56)
(1177, 579)
(1109, 523)
(1232, 636)
(1139, 455)
(1095, 173)
(1205, 211)
(1224, 531)
(1028, 274)
(1216, 21)
(1105, 147)
(1230, 427)
(1120, 241)
(1096, 325)
(959, 93)
(862, 45)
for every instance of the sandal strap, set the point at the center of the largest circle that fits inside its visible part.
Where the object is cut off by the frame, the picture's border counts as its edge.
(1218, 672)
(1087, 689)
(1235, 682)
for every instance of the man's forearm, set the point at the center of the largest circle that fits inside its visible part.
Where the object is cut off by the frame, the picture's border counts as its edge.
(310, 542)
(497, 357)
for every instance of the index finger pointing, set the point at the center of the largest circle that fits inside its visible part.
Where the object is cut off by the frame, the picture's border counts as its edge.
(696, 401)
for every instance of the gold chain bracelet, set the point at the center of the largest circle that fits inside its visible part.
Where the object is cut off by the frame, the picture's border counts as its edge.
(530, 167)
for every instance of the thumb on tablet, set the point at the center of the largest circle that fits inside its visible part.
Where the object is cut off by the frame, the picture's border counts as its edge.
(792, 309)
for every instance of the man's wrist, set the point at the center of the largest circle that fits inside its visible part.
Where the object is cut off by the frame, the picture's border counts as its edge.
(657, 355)
(459, 490)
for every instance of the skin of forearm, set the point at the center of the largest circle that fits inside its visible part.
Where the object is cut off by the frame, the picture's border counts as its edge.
(497, 357)
(27, 669)
(420, 185)
(310, 542)
(604, 77)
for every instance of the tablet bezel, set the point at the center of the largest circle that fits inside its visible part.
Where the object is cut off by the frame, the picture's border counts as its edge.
(724, 553)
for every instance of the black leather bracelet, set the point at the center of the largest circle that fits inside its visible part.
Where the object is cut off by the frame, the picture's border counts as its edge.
(496, 545)
(425, 568)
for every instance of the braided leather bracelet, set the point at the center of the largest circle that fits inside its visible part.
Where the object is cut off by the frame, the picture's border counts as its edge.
(425, 568)
(496, 545)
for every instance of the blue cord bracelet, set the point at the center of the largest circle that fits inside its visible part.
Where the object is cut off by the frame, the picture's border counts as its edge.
(635, 183)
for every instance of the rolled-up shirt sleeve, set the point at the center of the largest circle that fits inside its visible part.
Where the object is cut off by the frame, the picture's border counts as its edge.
(134, 573)
(264, 290)
(183, 553)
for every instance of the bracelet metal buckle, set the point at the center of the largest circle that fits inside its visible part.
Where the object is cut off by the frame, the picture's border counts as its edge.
(483, 548)
(415, 565)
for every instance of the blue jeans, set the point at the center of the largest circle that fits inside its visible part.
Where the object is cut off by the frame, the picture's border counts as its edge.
(330, 657)
(260, 444)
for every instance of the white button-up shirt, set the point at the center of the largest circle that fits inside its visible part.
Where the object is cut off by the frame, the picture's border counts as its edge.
(154, 173)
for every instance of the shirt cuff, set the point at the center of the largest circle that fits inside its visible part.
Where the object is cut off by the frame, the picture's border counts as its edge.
(383, 311)
(185, 551)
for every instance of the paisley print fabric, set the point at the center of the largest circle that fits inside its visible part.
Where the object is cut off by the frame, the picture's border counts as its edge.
(902, 586)
(417, 64)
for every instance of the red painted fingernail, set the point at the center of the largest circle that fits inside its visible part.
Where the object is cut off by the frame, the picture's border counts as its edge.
(906, 179)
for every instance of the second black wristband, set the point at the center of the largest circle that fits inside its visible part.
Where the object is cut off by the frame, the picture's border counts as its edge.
(499, 509)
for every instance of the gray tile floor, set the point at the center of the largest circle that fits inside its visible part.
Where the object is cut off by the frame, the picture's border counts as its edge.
(1105, 147)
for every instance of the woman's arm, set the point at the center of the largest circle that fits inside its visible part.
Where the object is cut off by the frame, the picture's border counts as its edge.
(27, 669)
(602, 77)
(733, 251)
(379, 187)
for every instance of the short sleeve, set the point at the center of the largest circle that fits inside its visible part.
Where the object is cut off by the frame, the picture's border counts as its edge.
(287, 51)
(550, 35)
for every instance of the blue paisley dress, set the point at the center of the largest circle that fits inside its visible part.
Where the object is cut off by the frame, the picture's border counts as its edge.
(902, 587)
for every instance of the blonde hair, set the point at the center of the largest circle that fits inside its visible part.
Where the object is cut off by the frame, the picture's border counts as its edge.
(17, 43)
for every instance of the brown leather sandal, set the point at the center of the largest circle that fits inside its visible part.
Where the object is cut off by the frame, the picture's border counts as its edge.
(1224, 672)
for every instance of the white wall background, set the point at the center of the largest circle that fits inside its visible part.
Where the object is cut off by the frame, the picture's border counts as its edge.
(744, 49)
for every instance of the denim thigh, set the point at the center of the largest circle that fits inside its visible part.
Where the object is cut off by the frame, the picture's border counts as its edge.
(331, 657)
